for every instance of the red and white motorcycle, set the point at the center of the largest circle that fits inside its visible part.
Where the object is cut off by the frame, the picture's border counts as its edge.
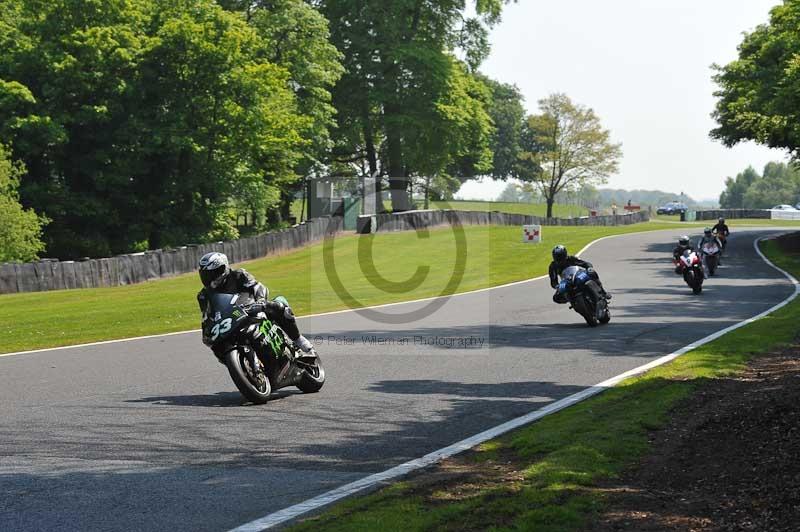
(691, 267)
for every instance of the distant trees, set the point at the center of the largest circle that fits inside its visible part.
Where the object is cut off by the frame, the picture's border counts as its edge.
(779, 184)
(20, 229)
(735, 188)
(759, 93)
(566, 148)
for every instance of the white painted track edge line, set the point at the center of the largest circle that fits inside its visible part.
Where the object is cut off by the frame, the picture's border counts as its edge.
(371, 481)
(102, 342)
(306, 316)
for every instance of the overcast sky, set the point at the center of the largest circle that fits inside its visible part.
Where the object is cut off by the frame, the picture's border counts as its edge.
(644, 67)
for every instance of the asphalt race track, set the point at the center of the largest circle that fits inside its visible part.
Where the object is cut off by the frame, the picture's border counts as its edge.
(151, 434)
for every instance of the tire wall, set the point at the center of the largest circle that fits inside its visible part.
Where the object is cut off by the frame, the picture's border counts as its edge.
(411, 220)
(733, 214)
(50, 274)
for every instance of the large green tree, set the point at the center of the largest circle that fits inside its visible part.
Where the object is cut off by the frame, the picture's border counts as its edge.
(507, 111)
(759, 93)
(400, 97)
(295, 36)
(141, 121)
(567, 148)
(20, 229)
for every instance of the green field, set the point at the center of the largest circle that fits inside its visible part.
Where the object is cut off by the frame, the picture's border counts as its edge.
(548, 476)
(494, 255)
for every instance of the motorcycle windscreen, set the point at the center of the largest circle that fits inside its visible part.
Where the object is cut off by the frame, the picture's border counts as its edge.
(226, 303)
(570, 272)
(222, 303)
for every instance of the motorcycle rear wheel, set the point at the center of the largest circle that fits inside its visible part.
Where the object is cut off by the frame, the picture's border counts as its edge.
(313, 376)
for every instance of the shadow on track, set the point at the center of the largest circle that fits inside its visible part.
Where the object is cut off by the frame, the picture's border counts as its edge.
(219, 399)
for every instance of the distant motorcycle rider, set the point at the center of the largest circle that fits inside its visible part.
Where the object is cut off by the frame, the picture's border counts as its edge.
(218, 277)
(563, 260)
(721, 230)
(708, 237)
(684, 245)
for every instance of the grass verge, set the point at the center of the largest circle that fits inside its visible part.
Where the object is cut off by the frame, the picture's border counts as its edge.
(545, 477)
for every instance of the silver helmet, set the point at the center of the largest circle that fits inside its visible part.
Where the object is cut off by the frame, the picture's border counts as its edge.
(214, 269)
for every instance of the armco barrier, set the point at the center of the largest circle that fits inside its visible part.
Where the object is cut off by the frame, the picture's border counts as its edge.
(49, 274)
(732, 214)
(410, 220)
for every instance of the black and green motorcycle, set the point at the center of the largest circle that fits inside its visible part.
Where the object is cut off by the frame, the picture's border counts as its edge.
(233, 327)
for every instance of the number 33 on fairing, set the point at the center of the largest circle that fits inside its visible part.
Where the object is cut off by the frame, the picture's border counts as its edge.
(221, 328)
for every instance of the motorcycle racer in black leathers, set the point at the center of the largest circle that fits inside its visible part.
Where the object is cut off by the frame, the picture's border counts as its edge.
(721, 228)
(563, 260)
(722, 232)
(217, 276)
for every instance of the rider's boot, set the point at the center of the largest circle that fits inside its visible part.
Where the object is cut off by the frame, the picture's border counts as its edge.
(603, 293)
(304, 344)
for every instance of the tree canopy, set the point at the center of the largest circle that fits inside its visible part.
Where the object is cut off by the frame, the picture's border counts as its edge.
(407, 106)
(507, 112)
(759, 92)
(140, 121)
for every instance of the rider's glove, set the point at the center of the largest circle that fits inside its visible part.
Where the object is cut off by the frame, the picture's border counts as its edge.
(255, 309)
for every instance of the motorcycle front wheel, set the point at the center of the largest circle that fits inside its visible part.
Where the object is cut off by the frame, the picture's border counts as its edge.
(585, 309)
(252, 384)
(712, 265)
(606, 314)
